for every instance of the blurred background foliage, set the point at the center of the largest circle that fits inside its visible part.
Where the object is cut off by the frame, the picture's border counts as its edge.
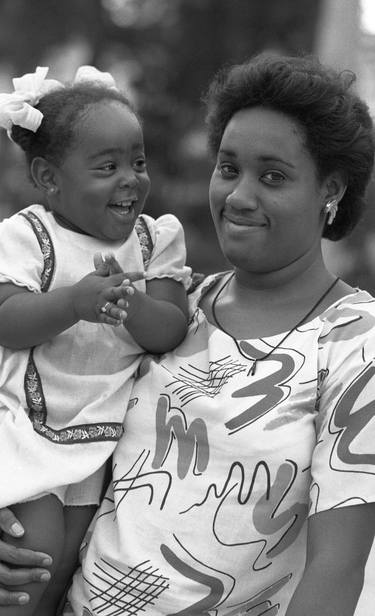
(163, 54)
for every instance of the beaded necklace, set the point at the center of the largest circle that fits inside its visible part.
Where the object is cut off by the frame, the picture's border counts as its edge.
(306, 316)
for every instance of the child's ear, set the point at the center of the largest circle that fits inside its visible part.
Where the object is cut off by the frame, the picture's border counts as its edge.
(43, 174)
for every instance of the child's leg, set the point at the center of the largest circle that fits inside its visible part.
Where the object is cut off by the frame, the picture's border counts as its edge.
(43, 521)
(77, 519)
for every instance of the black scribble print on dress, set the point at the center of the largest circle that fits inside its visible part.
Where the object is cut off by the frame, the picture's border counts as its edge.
(348, 420)
(271, 389)
(255, 496)
(216, 585)
(192, 382)
(155, 485)
(322, 375)
(191, 439)
(121, 592)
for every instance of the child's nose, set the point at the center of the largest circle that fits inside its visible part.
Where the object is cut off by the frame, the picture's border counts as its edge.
(127, 179)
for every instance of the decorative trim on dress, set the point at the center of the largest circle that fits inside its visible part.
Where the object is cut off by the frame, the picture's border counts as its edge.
(145, 240)
(46, 246)
(71, 435)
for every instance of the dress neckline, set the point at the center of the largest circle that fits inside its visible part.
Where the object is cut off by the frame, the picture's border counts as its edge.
(213, 279)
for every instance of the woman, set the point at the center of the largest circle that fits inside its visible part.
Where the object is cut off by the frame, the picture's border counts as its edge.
(267, 403)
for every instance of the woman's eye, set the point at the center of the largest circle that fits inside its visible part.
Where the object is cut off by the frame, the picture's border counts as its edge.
(273, 177)
(226, 170)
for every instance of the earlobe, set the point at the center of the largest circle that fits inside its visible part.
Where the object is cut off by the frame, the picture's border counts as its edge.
(43, 174)
(336, 187)
(331, 210)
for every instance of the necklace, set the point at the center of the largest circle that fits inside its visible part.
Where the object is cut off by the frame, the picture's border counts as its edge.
(306, 316)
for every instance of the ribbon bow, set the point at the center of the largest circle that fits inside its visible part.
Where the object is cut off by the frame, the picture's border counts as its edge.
(90, 73)
(18, 107)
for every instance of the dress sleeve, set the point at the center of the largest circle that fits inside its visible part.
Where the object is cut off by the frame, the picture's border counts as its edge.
(343, 460)
(169, 253)
(21, 259)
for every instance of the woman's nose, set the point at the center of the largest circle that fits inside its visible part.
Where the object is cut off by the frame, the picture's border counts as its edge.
(243, 197)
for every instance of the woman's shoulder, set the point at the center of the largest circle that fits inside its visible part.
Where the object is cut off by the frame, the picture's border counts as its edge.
(355, 298)
(201, 284)
(350, 318)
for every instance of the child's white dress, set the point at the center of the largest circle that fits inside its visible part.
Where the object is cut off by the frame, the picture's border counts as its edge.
(62, 403)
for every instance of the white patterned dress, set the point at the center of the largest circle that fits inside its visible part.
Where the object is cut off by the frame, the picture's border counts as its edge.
(218, 469)
(62, 403)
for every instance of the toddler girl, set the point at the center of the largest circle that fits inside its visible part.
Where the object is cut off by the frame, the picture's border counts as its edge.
(68, 349)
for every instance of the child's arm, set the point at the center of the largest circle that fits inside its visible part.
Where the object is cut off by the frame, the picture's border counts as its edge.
(157, 319)
(27, 318)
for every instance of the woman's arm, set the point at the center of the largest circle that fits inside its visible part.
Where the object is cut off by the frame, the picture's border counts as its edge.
(338, 545)
(18, 566)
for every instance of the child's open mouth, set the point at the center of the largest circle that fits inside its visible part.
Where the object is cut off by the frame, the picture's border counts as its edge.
(123, 208)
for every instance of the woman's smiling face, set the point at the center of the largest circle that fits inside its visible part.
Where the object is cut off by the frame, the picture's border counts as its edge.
(265, 197)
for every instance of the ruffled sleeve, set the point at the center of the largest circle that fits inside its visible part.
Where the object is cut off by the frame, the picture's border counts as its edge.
(168, 259)
(21, 259)
(343, 461)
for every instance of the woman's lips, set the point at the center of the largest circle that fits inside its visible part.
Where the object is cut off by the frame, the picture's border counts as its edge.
(244, 221)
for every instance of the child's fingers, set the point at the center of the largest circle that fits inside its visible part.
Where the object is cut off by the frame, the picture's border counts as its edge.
(126, 287)
(107, 262)
(123, 291)
(117, 279)
(102, 269)
(111, 314)
(115, 267)
(134, 276)
(98, 260)
(122, 303)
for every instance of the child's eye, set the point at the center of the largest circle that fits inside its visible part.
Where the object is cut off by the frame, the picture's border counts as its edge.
(109, 166)
(273, 177)
(140, 164)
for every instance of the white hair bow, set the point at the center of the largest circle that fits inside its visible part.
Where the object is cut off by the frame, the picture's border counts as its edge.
(90, 73)
(18, 107)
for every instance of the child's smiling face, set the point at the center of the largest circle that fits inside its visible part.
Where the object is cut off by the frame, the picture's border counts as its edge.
(102, 183)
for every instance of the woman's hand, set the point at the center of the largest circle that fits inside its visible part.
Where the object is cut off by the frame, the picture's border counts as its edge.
(18, 566)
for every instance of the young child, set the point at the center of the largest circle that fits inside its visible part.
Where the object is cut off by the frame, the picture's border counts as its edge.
(68, 351)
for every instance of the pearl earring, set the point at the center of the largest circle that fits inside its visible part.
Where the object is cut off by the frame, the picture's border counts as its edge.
(331, 210)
